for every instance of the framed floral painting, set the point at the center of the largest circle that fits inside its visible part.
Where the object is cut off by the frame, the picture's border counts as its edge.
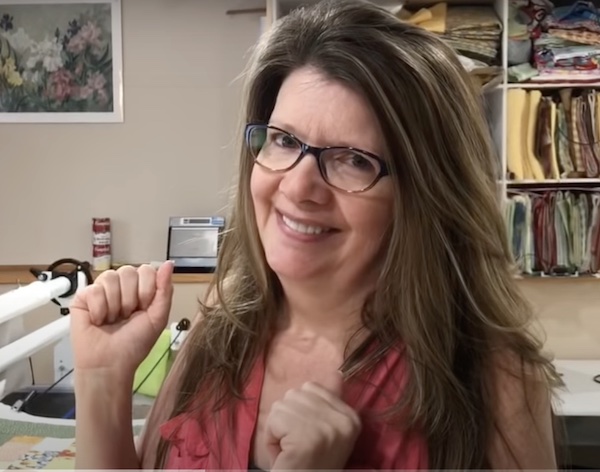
(61, 61)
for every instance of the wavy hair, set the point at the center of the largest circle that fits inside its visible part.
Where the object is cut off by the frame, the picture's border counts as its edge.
(447, 287)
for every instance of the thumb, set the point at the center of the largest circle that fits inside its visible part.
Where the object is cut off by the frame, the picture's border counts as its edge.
(160, 307)
(79, 309)
(79, 301)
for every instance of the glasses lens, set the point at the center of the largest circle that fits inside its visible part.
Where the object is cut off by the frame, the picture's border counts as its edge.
(255, 139)
(272, 148)
(350, 170)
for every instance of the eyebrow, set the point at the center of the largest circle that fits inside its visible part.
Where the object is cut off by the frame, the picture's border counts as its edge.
(284, 126)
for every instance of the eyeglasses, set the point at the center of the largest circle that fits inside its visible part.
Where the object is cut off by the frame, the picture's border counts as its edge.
(345, 168)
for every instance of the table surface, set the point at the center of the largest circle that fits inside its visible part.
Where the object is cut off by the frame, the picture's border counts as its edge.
(581, 395)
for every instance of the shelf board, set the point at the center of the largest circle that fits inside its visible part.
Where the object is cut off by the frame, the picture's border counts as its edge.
(528, 277)
(553, 183)
(19, 274)
(546, 85)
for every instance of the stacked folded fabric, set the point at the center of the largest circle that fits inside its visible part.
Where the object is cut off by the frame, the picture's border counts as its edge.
(570, 50)
(474, 32)
(565, 41)
(554, 135)
(555, 232)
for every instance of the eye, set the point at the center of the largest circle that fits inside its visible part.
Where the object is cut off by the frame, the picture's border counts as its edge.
(354, 162)
(284, 140)
(359, 162)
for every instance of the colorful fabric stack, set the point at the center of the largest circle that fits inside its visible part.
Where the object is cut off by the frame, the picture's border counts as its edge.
(553, 135)
(555, 232)
(566, 42)
(474, 32)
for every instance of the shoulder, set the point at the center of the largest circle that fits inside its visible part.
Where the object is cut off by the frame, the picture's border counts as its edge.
(520, 396)
(509, 366)
(516, 382)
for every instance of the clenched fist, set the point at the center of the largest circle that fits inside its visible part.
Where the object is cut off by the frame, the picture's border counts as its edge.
(312, 428)
(116, 321)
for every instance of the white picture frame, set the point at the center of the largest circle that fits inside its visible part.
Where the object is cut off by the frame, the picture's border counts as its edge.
(61, 61)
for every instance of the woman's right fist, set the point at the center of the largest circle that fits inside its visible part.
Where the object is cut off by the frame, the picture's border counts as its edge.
(116, 321)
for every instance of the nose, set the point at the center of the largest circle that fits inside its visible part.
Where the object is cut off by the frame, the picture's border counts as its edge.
(304, 183)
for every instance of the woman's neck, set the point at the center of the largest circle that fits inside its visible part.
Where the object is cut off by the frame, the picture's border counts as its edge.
(312, 309)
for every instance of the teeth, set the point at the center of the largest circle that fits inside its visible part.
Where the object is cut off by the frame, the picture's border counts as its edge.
(300, 228)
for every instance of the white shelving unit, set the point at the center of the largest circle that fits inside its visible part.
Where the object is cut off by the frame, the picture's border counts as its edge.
(544, 87)
(540, 187)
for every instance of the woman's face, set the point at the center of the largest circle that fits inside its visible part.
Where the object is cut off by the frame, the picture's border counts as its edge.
(308, 229)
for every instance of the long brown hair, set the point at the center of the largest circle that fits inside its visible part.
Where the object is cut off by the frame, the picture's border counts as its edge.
(447, 289)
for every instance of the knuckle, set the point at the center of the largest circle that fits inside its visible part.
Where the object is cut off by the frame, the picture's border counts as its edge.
(275, 408)
(291, 394)
(87, 290)
(106, 277)
(127, 273)
(126, 270)
(95, 290)
(347, 425)
(129, 279)
(146, 269)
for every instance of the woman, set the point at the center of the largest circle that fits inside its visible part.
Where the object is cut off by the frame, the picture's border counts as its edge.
(364, 313)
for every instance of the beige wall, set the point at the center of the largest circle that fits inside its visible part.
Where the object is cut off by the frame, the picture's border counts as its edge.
(173, 155)
(569, 312)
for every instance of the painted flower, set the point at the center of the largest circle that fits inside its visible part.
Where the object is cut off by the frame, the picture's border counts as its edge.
(48, 52)
(6, 22)
(60, 85)
(88, 35)
(19, 40)
(96, 83)
(76, 44)
(10, 73)
(83, 93)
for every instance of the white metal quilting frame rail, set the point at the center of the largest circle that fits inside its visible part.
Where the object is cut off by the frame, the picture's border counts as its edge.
(55, 286)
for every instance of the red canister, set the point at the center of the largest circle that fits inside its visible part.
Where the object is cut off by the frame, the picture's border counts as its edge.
(101, 244)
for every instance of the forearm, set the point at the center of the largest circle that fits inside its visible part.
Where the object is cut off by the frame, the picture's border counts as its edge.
(104, 431)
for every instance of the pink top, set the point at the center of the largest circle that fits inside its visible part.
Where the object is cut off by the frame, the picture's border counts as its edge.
(224, 446)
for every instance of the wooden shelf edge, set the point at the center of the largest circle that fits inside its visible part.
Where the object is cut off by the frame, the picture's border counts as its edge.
(558, 279)
(192, 278)
(19, 274)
